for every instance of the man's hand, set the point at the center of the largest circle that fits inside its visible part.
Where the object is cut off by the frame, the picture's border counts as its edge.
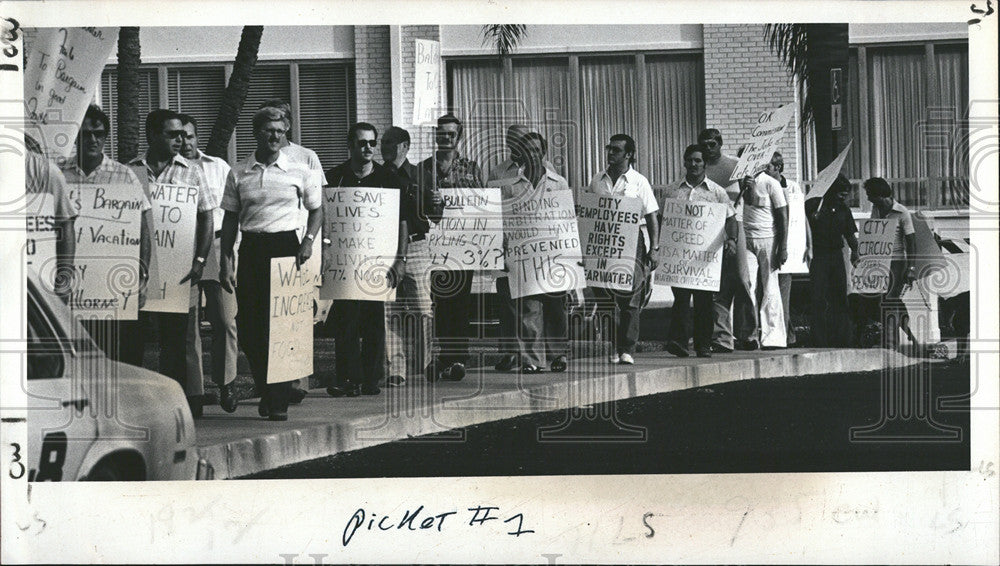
(780, 257)
(227, 279)
(855, 258)
(729, 248)
(195, 274)
(395, 273)
(651, 260)
(305, 252)
(807, 256)
(436, 199)
(910, 275)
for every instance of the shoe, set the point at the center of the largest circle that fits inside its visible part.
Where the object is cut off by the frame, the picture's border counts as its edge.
(703, 353)
(395, 381)
(747, 345)
(507, 363)
(262, 408)
(627, 359)
(296, 395)
(720, 349)
(614, 359)
(559, 364)
(369, 390)
(530, 368)
(677, 349)
(195, 402)
(278, 416)
(227, 401)
(345, 390)
(454, 373)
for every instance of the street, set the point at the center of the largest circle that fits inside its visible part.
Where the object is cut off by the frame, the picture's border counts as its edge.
(789, 424)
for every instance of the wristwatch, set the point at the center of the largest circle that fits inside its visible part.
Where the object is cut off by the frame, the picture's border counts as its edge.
(200, 259)
(310, 236)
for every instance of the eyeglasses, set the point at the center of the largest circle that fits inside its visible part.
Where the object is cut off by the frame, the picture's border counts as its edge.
(174, 133)
(710, 143)
(275, 132)
(362, 143)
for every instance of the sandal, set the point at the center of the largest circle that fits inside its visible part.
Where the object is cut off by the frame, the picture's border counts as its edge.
(560, 364)
(529, 368)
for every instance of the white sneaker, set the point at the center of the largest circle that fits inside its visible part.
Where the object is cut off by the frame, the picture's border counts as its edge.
(614, 359)
(626, 359)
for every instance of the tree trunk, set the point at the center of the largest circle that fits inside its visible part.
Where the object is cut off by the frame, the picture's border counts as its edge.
(129, 57)
(236, 92)
(827, 49)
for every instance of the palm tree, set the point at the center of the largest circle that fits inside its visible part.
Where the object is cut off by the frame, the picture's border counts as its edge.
(504, 37)
(129, 57)
(810, 51)
(236, 91)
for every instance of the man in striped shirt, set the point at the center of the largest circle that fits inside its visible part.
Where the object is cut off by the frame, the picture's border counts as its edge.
(121, 340)
(163, 164)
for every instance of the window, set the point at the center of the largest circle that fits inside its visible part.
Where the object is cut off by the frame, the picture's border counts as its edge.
(906, 107)
(579, 101)
(322, 99)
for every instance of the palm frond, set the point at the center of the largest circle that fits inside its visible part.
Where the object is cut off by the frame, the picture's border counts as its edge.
(504, 37)
(790, 43)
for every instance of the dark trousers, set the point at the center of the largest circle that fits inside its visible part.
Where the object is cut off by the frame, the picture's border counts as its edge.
(703, 317)
(451, 292)
(544, 328)
(360, 337)
(122, 340)
(892, 308)
(172, 328)
(253, 297)
(510, 342)
(831, 321)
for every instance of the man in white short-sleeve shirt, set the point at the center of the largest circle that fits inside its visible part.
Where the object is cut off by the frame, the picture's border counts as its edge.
(765, 219)
(799, 238)
(620, 179)
(901, 270)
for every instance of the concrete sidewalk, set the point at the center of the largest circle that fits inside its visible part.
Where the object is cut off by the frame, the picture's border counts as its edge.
(242, 443)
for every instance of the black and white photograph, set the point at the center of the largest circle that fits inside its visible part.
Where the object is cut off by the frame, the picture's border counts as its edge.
(624, 282)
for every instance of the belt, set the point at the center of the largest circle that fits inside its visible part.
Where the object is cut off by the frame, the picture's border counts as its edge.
(416, 237)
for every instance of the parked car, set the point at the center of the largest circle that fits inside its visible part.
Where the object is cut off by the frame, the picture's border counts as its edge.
(91, 418)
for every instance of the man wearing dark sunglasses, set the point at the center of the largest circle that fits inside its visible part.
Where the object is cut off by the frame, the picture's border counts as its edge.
(163, 164)
(360, 328)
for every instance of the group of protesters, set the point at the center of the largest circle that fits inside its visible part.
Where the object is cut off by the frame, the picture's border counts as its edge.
(270, 205)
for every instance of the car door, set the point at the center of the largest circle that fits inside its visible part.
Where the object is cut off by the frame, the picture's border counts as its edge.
(61, 428)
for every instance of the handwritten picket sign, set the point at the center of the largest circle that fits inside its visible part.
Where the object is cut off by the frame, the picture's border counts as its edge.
(108, 229)
(609, 230)
(175, 219)
(764, 140)
(61, 76)
(875, 251)
(469, 236)
(290, 346)
(41, 235)
(691, 239)
(543, 243)
(362, 224)
(426, 80)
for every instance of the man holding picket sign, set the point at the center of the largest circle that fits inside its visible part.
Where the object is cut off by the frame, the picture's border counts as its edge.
(360, 324)
(765, 219)
(621, 179)
(121, 340)
(696, 187)
(164, 171)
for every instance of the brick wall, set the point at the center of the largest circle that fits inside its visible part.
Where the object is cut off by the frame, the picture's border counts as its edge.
(373, 82)
(742, 79)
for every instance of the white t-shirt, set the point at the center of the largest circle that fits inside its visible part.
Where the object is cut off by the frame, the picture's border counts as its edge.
(758, 206)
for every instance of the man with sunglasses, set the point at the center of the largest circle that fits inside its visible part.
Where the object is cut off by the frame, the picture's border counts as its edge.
(360, 328)
(163, 164)
(120, 339)
(451, 291)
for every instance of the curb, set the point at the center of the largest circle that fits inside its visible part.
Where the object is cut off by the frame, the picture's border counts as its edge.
(484, 397)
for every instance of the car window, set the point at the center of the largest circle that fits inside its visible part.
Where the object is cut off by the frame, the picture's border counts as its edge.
(45, 353)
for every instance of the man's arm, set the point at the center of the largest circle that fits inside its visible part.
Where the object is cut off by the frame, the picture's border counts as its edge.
(780, 237)
(396, 270)
(230, 224)
(732, 235)
(145, 252)
(654, 238)
(313, 226)
(910, 242)
(204, 234)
